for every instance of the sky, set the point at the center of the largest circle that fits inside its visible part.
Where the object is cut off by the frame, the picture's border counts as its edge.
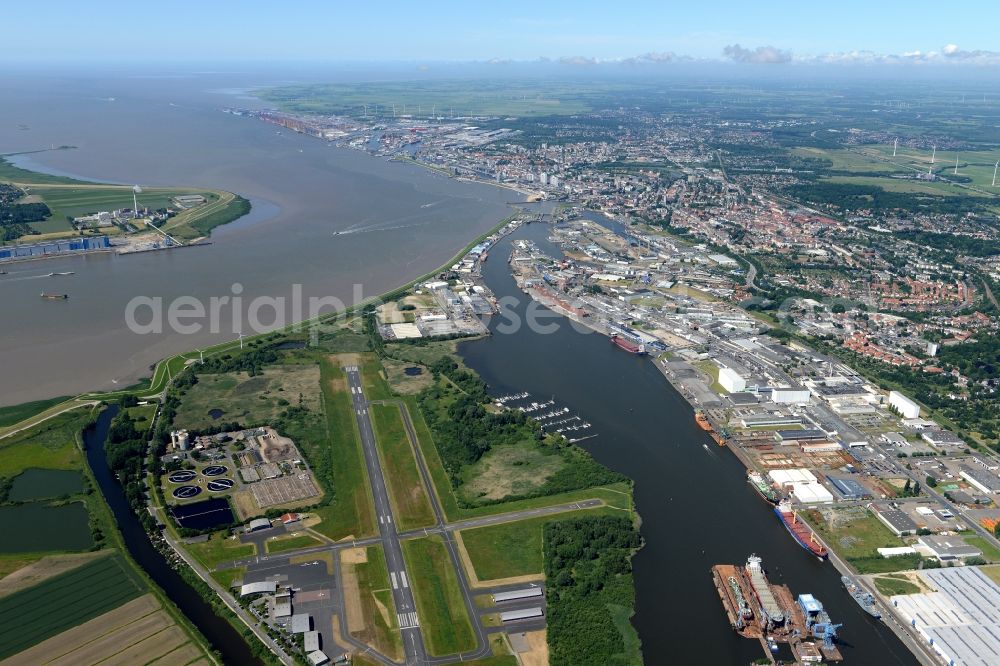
(778, 32)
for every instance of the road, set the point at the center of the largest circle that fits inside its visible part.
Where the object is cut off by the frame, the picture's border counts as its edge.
(402, 595)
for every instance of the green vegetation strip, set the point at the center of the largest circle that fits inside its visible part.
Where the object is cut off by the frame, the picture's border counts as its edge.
(440, 605)
(341, 462)
(219, 549)
(893, 586)
(412, 508)
(381, 629)
(17, 413)
(30, 616)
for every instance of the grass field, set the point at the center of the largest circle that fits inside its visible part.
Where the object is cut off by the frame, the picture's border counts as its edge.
(440, 606)
(992, 572)
(411, 506)
(30, 616)
(218, 549)
(293, 542)
(17, 413)
(258, 399)
(510, 470)
(51, 444)
(227, 577)
(857, 536)
(893, 586)
(616, 495)
(371, 613)
(506, 550)
(351, 511)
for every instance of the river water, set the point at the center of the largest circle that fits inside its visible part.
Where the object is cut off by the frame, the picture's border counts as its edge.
(696, 506)
(168, 131)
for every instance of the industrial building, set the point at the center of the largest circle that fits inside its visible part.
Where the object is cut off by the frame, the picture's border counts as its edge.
(906, 407)
(896, 520)
(769, 421)
(49, 248)
(792, 395)
(848, 489)
(731, 380)
(961, 620)
(948, 548)
(981, 479)
(523, 614)
(262, 587)
(515, 595)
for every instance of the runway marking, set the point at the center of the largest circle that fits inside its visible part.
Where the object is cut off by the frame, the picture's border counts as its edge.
(407, 620)
(402, 579)
(395, 583)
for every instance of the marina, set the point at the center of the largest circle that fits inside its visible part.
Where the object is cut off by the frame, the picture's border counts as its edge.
(551, 417)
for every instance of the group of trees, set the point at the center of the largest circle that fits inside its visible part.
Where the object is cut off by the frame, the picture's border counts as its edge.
(852, 196)
(125, 450)
(589, 573)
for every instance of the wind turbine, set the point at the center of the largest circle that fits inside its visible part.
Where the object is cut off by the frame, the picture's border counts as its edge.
(135, 202)
(241, 339)
(956, 164)
(895, 143)
(995, 166)
(933, 154)
(201, 356)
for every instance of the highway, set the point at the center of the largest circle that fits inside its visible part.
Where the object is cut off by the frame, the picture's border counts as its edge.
(402, 595)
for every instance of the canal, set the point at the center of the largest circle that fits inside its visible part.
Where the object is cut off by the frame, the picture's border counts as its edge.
(223, 637)
(697, 508)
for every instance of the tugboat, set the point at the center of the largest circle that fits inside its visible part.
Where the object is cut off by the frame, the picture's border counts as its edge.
(865, 599)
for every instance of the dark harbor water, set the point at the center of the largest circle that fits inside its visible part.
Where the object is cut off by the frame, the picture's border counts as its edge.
(697, 508)
(218, 631)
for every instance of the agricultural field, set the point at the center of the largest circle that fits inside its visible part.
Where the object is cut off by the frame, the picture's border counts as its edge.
(236, 396)
(32, 615)
(370, 611)
(406, 489)
(443, 617)
(450, 98)
(139, 631)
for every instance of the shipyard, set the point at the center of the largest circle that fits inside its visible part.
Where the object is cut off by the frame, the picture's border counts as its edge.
(769, 613)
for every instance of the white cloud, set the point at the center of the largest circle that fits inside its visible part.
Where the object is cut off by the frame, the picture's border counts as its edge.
(762, 55)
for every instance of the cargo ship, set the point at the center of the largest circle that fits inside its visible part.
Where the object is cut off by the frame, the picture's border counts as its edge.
(628, 346)
(55, 297)
(864, 598)
(801, 532)
(763, 488)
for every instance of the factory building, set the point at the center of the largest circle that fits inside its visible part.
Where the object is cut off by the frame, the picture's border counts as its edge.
(792, 395)
(896, 520)
(39, 250)
(731, 380)
(906, 407)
